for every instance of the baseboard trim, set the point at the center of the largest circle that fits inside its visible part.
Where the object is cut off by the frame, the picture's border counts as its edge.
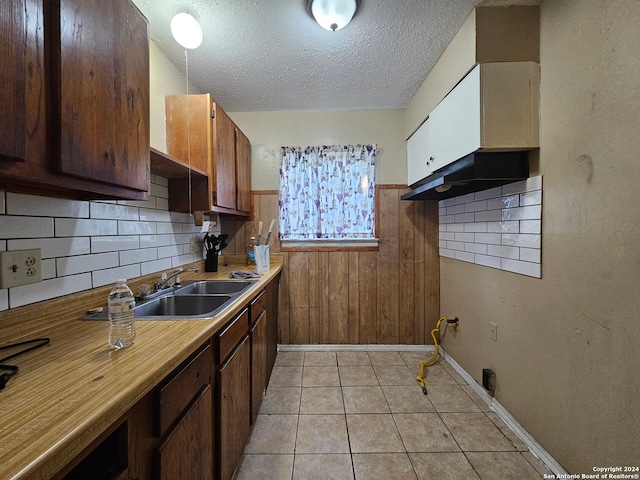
(534, 447)
(363, 348)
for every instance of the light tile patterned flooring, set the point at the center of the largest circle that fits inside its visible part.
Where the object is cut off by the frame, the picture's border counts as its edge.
(358, 415)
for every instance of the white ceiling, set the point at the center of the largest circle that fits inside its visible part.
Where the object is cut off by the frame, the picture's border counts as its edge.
(261, 55)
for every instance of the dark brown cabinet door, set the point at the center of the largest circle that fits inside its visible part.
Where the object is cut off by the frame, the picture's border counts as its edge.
(234, 408)
(104, 100)
(13, 81)
(243, 171)
(258, 364)
(74, 85)
(224, 160)
(185, 452)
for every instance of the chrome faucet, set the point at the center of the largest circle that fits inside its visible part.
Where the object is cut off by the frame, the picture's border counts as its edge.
(166, 279)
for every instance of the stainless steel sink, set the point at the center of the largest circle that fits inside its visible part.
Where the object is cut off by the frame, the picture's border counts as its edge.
(181, 306)
(191, 301)
(209, 287)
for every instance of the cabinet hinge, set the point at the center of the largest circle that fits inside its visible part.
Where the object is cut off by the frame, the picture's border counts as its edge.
(213, 113)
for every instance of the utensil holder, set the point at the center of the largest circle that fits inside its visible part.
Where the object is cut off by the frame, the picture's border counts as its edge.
(211, 262)
(262, 258)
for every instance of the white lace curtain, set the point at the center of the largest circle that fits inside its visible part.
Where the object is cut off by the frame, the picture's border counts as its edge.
(327, 192)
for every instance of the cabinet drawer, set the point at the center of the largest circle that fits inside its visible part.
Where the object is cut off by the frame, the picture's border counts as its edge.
(173, 396)
(232, 334)
(257, 306)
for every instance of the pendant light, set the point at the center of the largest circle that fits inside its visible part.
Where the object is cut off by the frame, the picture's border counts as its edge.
(186, 29)
(332, 14)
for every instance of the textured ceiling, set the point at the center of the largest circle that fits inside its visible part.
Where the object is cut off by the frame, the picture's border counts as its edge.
(260, 55)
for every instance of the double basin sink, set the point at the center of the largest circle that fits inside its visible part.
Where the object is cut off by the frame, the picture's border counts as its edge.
(190, 301)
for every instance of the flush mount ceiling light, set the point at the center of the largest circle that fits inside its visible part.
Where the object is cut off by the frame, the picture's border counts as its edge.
(186, 29)
(332, 14)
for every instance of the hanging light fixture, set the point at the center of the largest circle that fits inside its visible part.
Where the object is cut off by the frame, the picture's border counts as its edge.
(186, 29)
(332, 14)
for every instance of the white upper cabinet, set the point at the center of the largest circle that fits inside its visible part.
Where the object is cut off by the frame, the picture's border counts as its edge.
(493, 108)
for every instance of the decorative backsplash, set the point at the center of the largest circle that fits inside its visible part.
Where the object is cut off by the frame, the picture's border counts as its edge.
(498, 228)
(88, 244)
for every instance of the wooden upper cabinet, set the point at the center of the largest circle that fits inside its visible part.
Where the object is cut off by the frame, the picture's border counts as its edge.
(223, 170)
(243, 171)
(104, 92)
(13, 58)
(74, 85)
(201, 134)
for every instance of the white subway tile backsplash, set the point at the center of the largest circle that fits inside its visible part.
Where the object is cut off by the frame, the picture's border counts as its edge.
(156, 266)
(490, 238)
(500, 227)
(533, 212)
(48, 268)
(147, 241)
(487, 261)
(477, 206)
(531, 198)
(489, 193)
(72, 227)
(4, 299)
(531, 226)
(530, 255)
(138, 256)
(455, 209)
(469, 197)
(464, 237)
(445, 252)
(169, 251)
(476, 248)
(478, 227)
(86, 263)
(464, 256)
(109, 276)
(151, 215)
(35, 206)
(46, 289)
(521, 240)
(524, 268)
(503, 252)
(160, 191)
(114, 243)
(114, 211)
(465, 217)
(25, 227)
(89, 244)
(488, 216)
(54, 247)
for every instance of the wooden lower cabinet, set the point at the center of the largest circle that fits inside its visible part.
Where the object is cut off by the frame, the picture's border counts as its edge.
(258, 363)
(233, 380)
(196, 423)
(186, 452)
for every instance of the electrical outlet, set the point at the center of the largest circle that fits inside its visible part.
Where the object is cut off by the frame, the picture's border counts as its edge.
(20, 267)
(196, 246)
(493, 331)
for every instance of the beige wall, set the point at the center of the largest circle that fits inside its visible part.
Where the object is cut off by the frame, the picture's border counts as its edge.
(268, 131)
(567, 354)
(165, 79)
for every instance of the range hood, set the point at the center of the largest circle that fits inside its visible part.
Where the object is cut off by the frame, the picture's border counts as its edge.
(472, 173)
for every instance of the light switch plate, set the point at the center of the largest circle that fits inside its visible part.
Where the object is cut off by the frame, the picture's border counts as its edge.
(20, 267)
(493, 332)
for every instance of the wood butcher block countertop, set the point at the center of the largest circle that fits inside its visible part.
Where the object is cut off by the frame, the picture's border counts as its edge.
(68, 393)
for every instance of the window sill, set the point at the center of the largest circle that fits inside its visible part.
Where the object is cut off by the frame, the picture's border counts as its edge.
(328, 245)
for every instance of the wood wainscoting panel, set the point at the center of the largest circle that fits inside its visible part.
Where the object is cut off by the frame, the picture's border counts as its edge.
(388, 296)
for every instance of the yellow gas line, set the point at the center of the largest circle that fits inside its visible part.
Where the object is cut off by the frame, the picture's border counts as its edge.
(431, 361)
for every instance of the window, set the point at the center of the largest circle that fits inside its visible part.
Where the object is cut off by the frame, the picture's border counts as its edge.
(327, 194)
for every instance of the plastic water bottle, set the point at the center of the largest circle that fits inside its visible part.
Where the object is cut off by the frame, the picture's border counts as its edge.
(122, 328)
(251, 254)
